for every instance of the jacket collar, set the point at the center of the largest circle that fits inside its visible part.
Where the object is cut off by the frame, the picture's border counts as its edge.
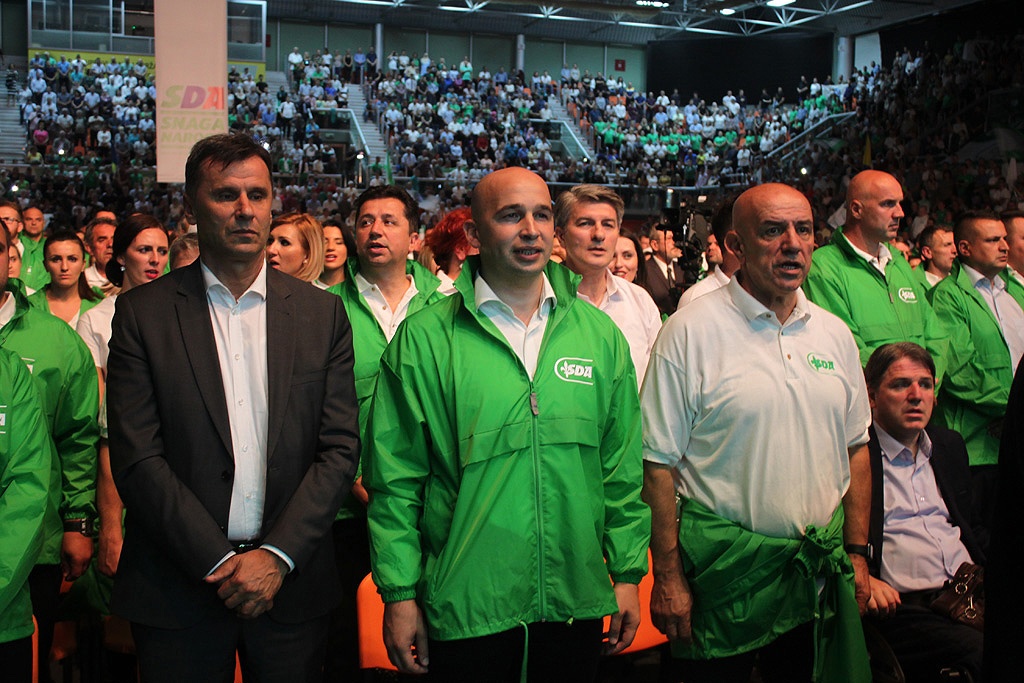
(563, 281)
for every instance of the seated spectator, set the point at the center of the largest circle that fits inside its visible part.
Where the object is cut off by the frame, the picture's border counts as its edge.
(922, 529)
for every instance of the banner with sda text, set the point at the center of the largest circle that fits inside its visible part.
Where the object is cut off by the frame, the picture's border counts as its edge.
(191, 72)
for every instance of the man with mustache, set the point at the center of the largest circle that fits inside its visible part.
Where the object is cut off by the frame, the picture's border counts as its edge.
(756, 418)
(865, 281)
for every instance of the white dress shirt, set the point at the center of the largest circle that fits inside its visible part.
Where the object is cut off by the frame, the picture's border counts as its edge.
(94, 327)
(634, 312)
(524, 339)
(388, 319)
(879, 260)
(714, 280)
(240, 333)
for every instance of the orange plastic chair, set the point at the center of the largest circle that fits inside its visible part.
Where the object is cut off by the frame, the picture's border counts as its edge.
(370, 611)
(647, 636)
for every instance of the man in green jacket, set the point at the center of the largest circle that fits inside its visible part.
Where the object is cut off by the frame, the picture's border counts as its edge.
(866, 282)
(938, 252)
(25, 454)
(982, 308)
(504, 464)
(64, 373)
(382, 288)
(33, 272)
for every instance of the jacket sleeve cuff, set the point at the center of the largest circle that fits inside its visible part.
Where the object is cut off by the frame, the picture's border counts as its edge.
(628, 577)
(397, 595)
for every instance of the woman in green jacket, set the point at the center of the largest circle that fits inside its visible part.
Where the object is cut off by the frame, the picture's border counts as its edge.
(68, 295)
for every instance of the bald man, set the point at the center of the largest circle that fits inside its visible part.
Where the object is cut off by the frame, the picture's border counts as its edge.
(504, 469)
(865, 281)
(775, 494)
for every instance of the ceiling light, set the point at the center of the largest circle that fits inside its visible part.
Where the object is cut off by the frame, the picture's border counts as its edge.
(728, 11)
(779, 3)
(651, 3)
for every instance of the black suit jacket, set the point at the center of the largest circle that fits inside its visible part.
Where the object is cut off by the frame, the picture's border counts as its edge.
(656, 284)
(952, 474)
(170, 446)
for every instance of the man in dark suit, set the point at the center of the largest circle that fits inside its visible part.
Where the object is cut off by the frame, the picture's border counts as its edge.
(233, 439)
(921, 509)
(664, 276)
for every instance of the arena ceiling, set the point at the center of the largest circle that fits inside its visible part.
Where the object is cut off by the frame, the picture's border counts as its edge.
(618, 21)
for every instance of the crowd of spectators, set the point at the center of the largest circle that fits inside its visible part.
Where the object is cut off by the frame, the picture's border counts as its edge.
(82, 112)
(460, 122)
(448, 124)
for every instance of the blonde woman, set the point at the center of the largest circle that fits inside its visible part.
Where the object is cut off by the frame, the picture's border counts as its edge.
(296, 246)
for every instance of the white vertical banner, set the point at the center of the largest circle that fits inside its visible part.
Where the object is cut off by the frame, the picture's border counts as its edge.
(191, 75)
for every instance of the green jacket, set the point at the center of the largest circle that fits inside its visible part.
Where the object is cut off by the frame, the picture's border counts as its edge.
(33, 272)
(878, 310)
(66, 376)
(38, 300)
(25, 455)
(749, 589)
(495, 500)
(973, 398)
(368, 344)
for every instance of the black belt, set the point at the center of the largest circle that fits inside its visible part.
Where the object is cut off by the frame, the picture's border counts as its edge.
(922, 598)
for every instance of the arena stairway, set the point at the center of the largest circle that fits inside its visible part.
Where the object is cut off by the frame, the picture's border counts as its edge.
(12, 134)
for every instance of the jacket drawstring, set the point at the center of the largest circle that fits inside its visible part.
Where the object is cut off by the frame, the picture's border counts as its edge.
(526, 651)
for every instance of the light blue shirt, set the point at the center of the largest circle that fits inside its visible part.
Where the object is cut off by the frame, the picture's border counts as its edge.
(921, 548)
(1006, 310)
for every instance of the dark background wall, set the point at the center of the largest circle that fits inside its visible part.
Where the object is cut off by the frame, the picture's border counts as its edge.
(711, 66)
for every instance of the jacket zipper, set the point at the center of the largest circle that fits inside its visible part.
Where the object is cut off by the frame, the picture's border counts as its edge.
(535, 411)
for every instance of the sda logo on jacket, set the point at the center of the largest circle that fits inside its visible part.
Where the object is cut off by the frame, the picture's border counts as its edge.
(907, 295)
(576, 370)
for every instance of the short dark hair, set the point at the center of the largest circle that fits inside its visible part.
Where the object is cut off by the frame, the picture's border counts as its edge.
(721, 221)
(887, 354)
(224, 149)
(927, 236)
(963, 230)
(412, 209)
